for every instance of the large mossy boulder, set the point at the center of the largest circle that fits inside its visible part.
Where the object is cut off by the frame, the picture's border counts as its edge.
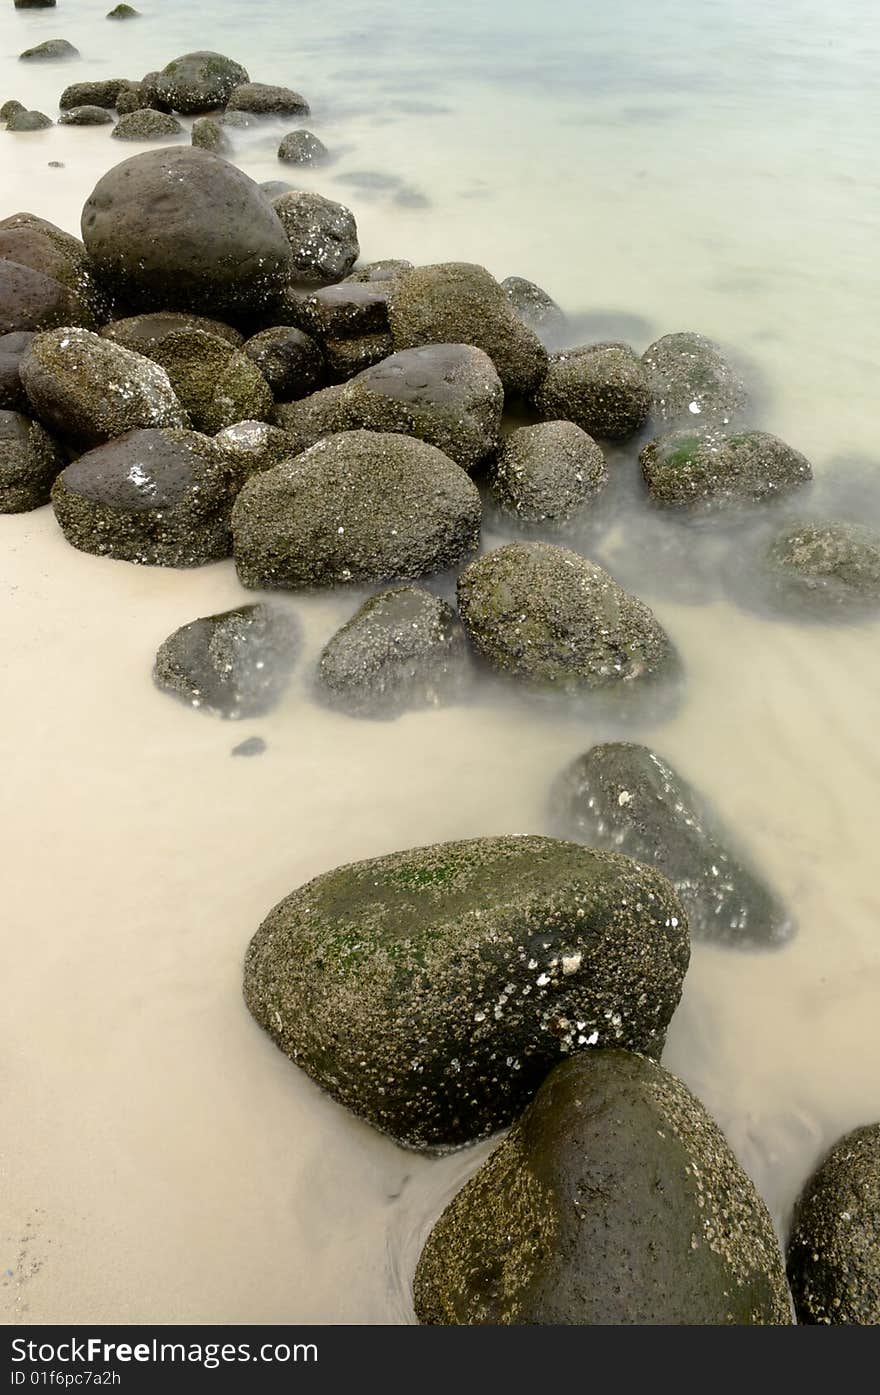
(548, 474)
(706, 470)
(834, 1246)
(826, 569)
(625, 797)
(264, 99)
(183, 228)
(404, 649)
(233, 665)
(693, 382)
(432, 990)
(29, 463)
(546, 615)
(88, 389)
(446, 394)
(158, 497)
(197, 82)
(322, 236)
(359, 506)
(603, 388)
(615, 1199)
(460, 303)
(215, 382)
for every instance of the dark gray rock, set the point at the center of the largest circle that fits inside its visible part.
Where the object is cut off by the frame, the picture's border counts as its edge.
(358, 506)
(459, 303)
(834, 1246)
(302, 148)
(183, 227)
(693, 383)
(601, 387)
(162, 498)
(102, 93)
(263, 99)
(198, 82)
(547, 615)
(322, 236)
(615, 1199)
(548, 474)
(85, 116)
(254, 746)
(39, 244)
(403, 649)
(272, 188)
(28, 121)
(236, 664)
(12, 348)
(624, 797)
(431, 991)
(30, 300)
(50, 49)
(534, 307)
(34, 4)
(705, 470)
(134, 97)
(146, 124)
(826, 569)
(346, 358)
(29, 462)
(347, 310)
(288, 359)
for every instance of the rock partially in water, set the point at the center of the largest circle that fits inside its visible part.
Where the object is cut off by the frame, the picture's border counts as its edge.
(534, 307)
(123, 12)
(548, 474)
(302, 148)
(207, 134)
(254, 746)
(146, 124)
(101, 93)
(263, 99)
(432, 990)
(322, 236)
(184, 228)
(163, 498)
(615, 1199)
(358, 506)
(545, 614)
(28, 121)
(197, 82)
(29, 463)
(236, 664)
(601, 387)
(822, 568)
(692, 382)
(50, 49)
(703, 470)
(404, 649)
(255, 445)
(87, 389)
(145, 333)
(12, 349)
(446, 394)
(288, 359)
(624, 797)
(459, 303)
(135, 96)
(834, 1246)
(34, 4)
(86, 116)
(10, 108)
(215, 382)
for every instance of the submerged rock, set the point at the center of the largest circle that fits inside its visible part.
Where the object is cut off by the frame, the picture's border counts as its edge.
(708, 469)
(183, 227)
(358, 506)
(262, 99)
(123, 12)
(29, 462)
(12, 349)
(822, 568)
(403, 649)
(198, 81)
(432, 990)
(302, 148)
(215, 382)
(51, 48)
(208, 135)
(601, 387)
(233, 665)
(102, 93)
(10, 108)
(86, 116)
(28, 121)
(158, 497)
(614, 1199)
(692, 382)
(134, 97)
(624, 797)
(88, 389)
(834, 1246)
(146, 124)
(459, 303)
(549, 473)
(288, 359)
(544, 613)
(534, 307)
(322, 236)
(446, 394)
(254, 746)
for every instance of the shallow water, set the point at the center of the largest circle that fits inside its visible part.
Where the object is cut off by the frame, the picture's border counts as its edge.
(657, 166)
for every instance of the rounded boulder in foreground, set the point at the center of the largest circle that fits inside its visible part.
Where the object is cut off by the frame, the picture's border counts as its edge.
(182, 227)
(432, 990)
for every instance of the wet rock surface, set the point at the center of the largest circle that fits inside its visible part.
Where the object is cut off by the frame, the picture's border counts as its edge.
(625, 797)
(35, 242)
(216, 383)
(103, 92)
(322, 236)
(302, 148)
(199, 81)
(264, 99)
(603, 388)
(834, 1247)
(825, 569)
(548, 474)
(357, 506)
(29, 462)
(431, 990)
(710, 469)
(403, 649)
(146, 124)
(289, 360)
(692, 382)
(614, 1199)
(234, 665)
(534, 307)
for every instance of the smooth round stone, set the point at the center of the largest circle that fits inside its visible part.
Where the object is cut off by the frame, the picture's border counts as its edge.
(85, 116)
(548, 474)
(302, 148)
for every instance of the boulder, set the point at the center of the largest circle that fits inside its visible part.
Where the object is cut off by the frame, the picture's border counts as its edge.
(146, 124)
(834, 1246)
(133, 97)
(34, 4)
(601, 387)
(458, 303)
(302, 148)
(88, 389)
(101, 93)
(159, 497)
(232, 665)
(432, 990)
(703, 470)
(446, 394)
(12, 348)
(358, 506)
(207, 134)
(28, 121)
(183, 227)
(534, 307)
(85, 116)
(821, 568)
(241, 120)
(288, 359)
(144, 333)
(30, 300)
(548, 474)
(39, 244)
(50, 49)
(198, 82)
(123, 12)
(404, 649)
(262, 99)
(615, 1199)
(10, 108)
(29, 462)
(322, 236)
(625, 797)
(545, 614)
(692, 382)
(215, 382)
